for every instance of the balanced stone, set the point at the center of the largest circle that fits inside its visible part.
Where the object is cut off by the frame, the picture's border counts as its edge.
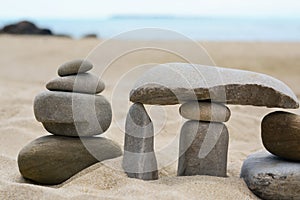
(54, 159)
(76, 129)
(205, 111)
(270, 177)
(174, 83)
(92, 112)
(192, 136)
(82, 83)
(139, 158)
(74, 67)
(281, 134)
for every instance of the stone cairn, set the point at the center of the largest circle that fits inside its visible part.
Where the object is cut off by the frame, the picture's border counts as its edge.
(203, 117)
(201, 90)
(276, 174)
(73, 113)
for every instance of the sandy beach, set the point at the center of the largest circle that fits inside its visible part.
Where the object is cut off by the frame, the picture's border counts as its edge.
(27, 63)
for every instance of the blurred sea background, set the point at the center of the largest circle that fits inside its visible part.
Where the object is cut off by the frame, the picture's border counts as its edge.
(196, 28)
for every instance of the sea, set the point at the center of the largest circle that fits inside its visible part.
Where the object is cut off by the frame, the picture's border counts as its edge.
(196, 28)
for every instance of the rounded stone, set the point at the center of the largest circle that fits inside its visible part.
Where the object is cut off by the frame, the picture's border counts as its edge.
(74, 67)
(76, 129)
(92, 111)
(270, 177)
(82, 83)
(280, 132)
(205, 111)
(54, 159)
(193, 139)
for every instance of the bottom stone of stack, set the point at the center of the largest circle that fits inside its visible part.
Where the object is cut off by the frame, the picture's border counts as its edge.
(54, 159)
(193, 136)
(271, 177)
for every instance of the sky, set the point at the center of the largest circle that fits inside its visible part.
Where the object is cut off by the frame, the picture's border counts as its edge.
(101, 9)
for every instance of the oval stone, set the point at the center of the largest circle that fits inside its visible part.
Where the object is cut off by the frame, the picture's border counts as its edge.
(54, 159)
(270, 177)
(76, 129)
(281, 134)
(74, 67)
(82, 83)
(66, 107)
(205, 111)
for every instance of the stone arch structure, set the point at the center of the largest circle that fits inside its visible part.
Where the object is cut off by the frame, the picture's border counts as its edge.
(191, 85)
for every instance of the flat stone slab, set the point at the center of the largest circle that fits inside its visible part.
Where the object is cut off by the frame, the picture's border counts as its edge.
(270, 177)
(90, 111)
(54, 159)
(174, 83)
(82, 83)
(74, 67)
(280, 132)
(205, 111)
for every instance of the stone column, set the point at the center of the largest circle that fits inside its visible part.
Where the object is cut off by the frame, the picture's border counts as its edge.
(205, 130)
(139, 159)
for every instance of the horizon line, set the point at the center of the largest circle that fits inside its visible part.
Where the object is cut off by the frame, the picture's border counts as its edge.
(148, 16)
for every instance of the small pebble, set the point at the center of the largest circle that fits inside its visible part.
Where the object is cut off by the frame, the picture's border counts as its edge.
(205, 111)
(81, 83)
(74, 67)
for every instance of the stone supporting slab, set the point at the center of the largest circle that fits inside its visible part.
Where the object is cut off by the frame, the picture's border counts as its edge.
(191, 141)
(139, 158)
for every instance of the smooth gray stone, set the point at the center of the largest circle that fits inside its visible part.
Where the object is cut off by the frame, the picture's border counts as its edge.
(280, 132)
(74, 67)
(174, 83)
(205, 111)
(54, 159)
(191, 140)
(66, 107)
(270, 177)
(82, 83)
(76, 129)
(139, 159)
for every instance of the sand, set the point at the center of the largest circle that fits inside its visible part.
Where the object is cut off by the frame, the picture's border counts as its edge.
(27, 63)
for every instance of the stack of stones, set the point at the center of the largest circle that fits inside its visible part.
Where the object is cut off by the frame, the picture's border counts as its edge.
(204, 138)
(204, 117)
(73, 113)
(276, 174)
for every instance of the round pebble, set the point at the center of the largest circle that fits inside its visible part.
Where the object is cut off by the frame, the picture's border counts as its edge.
(205, 111)
(74, 67)
(280, 132)
(81, 83)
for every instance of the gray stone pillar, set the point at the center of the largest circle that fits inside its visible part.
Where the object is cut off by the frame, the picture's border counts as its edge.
(191, 140)
(139, 159)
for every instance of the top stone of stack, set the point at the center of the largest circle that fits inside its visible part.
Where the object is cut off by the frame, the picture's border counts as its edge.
(74, 67)
(173, 83)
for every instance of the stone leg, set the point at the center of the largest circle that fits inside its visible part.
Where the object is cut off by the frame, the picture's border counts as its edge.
(191, 140)
(139, 159)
